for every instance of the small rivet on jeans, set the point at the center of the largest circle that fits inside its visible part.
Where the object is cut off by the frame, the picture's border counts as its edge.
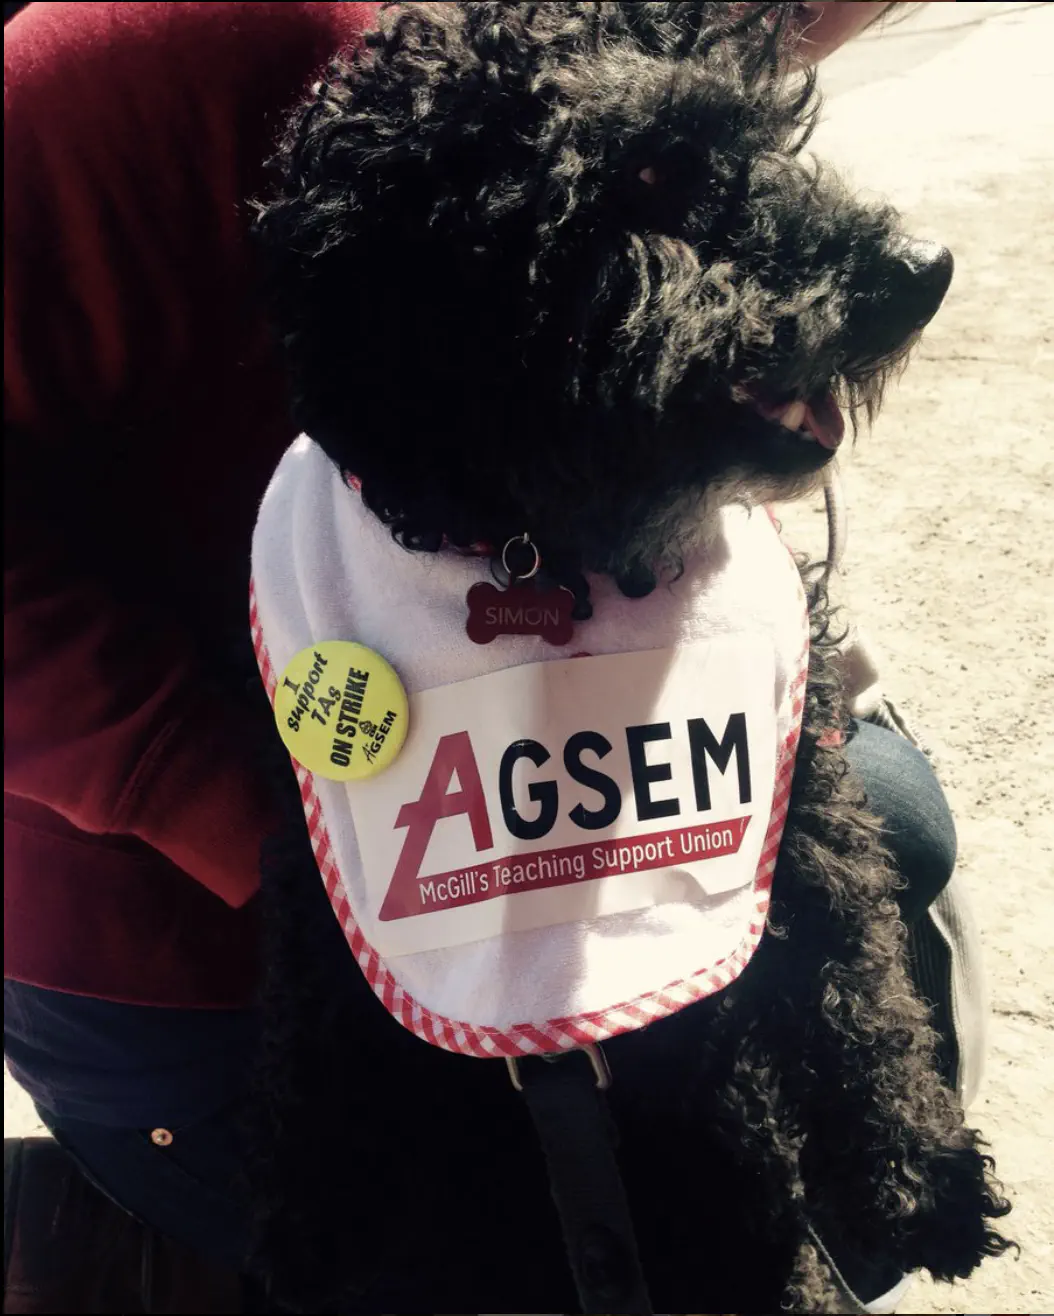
(161, 1138)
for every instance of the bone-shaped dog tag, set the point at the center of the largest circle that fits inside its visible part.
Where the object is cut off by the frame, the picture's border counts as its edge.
(519, 610)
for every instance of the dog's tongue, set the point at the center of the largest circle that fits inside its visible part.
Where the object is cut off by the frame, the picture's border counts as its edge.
(824, 420)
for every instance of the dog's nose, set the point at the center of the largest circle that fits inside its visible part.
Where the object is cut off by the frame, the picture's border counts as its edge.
(922, 275)
(913, 279)
(929, 263)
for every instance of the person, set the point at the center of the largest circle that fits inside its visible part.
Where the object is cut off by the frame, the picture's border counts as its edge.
(826, 25)
(146, 409)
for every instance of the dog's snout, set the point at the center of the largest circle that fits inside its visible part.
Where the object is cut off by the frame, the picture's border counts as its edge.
(916, 276)
(930, 263)
(913, 277)
(925, 270)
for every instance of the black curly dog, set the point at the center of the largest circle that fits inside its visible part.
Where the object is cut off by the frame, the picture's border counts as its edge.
(563, 266)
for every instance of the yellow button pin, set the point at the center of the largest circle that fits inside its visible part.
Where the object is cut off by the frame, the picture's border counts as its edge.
(341, 710)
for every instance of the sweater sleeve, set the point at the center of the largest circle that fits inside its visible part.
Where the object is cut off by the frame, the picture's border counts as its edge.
(108, 717)
(111, 719)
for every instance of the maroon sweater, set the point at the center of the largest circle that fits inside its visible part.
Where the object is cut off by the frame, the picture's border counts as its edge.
(145, 411)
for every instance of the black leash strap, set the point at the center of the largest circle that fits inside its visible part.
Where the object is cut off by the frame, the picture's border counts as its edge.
(566, 1099)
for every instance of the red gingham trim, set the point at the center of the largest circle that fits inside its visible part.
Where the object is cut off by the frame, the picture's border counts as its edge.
(553, 1034)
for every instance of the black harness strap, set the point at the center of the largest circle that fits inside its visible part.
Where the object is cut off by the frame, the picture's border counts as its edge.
(565, 1097)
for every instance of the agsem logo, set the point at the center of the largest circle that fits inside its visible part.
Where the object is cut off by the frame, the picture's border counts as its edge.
(595, 808)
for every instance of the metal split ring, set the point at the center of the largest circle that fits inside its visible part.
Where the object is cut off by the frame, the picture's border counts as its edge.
(525, 540)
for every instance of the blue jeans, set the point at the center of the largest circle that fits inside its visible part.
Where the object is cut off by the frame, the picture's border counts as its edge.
(903, 790)
(191, 1189)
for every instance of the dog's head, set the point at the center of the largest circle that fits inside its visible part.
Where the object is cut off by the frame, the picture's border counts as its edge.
(562, 268)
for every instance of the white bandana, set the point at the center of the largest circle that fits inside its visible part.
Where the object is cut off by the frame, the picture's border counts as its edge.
(573, 841)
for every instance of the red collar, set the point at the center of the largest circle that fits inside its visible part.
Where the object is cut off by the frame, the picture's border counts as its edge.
(474, 550)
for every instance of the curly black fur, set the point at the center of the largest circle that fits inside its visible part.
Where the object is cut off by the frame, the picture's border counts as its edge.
(462, 205)
(535, 266)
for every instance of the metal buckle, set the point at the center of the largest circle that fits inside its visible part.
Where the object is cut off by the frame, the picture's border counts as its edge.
(596, 1058)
